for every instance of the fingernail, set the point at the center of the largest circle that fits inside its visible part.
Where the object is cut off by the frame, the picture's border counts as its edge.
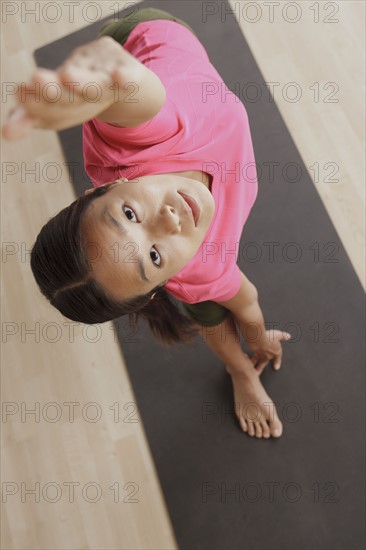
(16, 114)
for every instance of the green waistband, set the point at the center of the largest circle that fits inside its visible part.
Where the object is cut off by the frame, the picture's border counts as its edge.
(206, 313)
(120, 30)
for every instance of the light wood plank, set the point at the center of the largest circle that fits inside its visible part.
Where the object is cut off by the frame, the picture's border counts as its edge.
(307, 52)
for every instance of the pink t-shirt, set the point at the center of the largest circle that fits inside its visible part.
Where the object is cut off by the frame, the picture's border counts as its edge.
(202, 126)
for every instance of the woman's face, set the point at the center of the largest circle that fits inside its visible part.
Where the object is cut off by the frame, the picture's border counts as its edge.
(142, 232)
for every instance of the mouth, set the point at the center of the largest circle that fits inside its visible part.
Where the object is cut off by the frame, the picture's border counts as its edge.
(193, 206)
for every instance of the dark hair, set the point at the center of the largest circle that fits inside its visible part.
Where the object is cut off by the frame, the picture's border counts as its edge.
(61, 268)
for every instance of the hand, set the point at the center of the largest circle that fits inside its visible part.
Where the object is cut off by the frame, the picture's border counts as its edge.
(82, 87)
(269, 348)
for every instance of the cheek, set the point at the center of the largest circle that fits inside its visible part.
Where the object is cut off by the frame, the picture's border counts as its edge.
(148, 196)
(183, 250)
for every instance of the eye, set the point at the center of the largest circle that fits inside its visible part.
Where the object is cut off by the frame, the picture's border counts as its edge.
(155, 256)
(130, 214)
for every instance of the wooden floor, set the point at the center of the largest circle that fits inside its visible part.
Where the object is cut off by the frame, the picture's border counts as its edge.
(98, 443)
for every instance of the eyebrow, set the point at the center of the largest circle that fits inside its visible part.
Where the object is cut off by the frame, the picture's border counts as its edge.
(108, 215)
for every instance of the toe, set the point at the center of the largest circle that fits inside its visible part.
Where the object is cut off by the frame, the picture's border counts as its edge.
(265, 429)
(243, 425)
(276, 428)
(251, 430)
(258, 430)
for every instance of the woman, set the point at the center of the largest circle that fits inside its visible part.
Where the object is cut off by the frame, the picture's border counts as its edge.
(169, 152)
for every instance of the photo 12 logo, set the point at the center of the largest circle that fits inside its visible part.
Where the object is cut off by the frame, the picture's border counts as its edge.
(270, 12)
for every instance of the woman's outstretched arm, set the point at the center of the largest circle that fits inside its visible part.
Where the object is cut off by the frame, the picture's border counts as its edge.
(98, 80)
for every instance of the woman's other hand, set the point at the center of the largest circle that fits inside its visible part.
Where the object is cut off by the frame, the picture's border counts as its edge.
(268, 348)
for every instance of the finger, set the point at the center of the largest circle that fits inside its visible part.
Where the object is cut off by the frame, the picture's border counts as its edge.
(277, 360)
(52, 88)
(13, 132)
(33, 97)
(274, 335)
(70, 79)
(18, 124)
(259, 359)
(261, 366)
(45, 77)
(122, 75)
(44, 85)
(79, 78)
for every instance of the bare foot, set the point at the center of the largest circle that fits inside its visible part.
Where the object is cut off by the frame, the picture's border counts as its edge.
(254, 408)
(84, 86)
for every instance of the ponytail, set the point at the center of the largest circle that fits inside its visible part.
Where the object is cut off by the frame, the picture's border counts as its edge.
(166, 321)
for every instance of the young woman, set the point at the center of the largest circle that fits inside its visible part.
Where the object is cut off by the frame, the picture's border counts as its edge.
(169, 151)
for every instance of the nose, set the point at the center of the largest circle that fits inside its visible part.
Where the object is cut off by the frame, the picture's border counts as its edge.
(168, 220)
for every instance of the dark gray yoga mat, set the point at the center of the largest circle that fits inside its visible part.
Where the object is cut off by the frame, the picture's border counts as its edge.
(223, 489)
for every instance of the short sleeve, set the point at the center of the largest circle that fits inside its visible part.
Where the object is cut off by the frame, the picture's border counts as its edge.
(158, 129)
(114, 151)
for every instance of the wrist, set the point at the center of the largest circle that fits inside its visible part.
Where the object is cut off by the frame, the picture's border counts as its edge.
(254, 333)
(242, 366)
